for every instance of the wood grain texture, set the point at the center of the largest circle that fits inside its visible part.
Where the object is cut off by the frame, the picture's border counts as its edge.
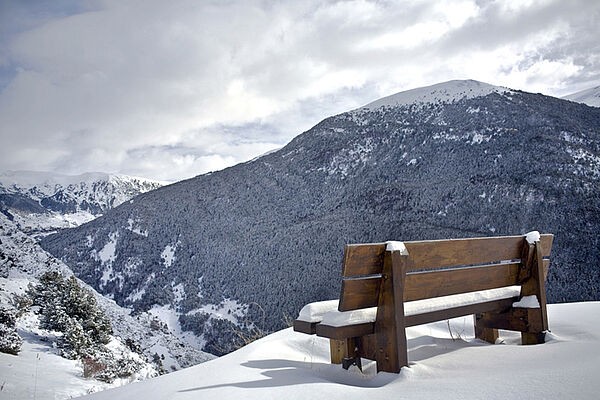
(305, 327)
(345, 332)
(336, 350)
(431, 254)
(363, 259)
(536, 286)
(514, 319)
(533, 338)
(487, 334)
(489, 306)
(541, 278)
(425, 285)
(359, 293)
(390, 332)
(446, 253)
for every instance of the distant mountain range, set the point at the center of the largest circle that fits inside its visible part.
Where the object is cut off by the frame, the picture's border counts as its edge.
(253, 243)
(41, 202)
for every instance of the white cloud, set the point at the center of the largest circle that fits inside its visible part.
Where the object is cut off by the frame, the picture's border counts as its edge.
(170, 90)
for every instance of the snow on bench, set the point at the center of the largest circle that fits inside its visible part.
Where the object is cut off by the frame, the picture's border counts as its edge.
(326, 312)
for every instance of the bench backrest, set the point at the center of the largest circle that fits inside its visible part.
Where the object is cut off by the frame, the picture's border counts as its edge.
(439, 268)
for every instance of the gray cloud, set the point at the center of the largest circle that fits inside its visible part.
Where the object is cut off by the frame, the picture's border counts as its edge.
(173, 89)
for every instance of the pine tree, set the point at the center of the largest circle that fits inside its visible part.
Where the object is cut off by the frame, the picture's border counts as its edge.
(10, 341)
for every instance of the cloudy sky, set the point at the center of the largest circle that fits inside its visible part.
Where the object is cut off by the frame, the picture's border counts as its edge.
(172, 89)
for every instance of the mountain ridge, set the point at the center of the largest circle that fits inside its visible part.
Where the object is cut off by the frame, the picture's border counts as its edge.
(41, 202)
(444, 92)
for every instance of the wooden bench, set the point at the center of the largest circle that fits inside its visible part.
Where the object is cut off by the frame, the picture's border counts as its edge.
(380, 280)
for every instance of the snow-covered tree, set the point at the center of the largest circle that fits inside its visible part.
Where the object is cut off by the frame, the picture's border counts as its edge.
(68, 308)
(10, 342)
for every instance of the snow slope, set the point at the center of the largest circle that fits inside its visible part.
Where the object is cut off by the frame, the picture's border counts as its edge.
(445, 92)
(290, 365)
(590, 96)
(38, 372)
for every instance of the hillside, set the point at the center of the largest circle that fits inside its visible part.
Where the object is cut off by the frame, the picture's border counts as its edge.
(460, 159)
(290, 365)
(42, 202)
(22, 262)
(590, 96)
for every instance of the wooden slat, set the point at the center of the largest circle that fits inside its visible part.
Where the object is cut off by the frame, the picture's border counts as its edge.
(305, 327)
(425, 285)
(359, 293)
(496, 305)
(446, 253)
(515, 319)
(366, 259)
(344, 332)
(363, 259)
(350, 331)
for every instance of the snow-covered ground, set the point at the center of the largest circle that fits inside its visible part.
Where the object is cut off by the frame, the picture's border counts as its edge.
(444, 364)
(590, 96)
(38, 372)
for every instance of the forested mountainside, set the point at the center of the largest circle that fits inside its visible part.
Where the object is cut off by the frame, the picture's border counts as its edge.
(41, 202)
(461, 159)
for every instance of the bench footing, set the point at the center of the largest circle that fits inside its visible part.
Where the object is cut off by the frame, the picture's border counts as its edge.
(348, 362)
(533, 338)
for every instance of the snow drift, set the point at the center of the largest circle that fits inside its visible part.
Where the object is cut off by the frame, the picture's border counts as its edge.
(446, 362)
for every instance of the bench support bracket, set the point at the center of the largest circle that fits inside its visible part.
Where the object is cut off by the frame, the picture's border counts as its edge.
(390, 332)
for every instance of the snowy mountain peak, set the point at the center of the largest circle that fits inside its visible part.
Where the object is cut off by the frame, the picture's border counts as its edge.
(44, 201)
(590, 96)
(49, 180)
(445, 92)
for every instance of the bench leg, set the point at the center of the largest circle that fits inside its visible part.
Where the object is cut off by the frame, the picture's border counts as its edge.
(535, 285)
(336, 348)
(533, 338)
(344, 352)
(390, 333)
(487, 334)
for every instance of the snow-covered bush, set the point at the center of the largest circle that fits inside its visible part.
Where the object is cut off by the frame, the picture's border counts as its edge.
(66, 307)
(102, 364)
(22, 304)
(85, 330)
(10, 342)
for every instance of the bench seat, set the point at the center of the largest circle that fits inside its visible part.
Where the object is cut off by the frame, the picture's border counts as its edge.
(326, 314)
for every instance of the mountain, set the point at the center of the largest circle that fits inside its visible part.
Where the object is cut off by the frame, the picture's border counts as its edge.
(22, 261)
(446, 362)
(251, 244)
(590, 96)
(41, 202)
